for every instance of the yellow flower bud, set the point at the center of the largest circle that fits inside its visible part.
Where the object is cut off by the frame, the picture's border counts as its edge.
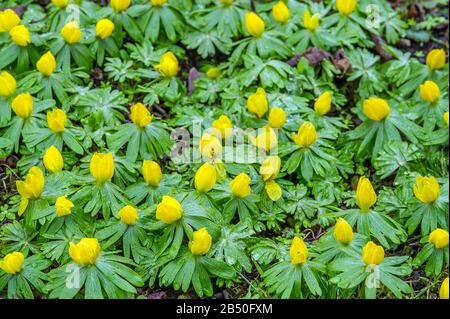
(201, 243)
(430, 92)
(128, 215)
(213, 73)
(104, 28)
(436, 59)
(254, 24)
(311, 22)
(61, 4)
(273, 190)
(140, 115)
(226, 2)
(56, 120)
(443, 291)
(277, 117)
(376, 109)
(323, 104)
(306, 135)
(222, 127)
(446, 118)
(13, 262)
(343, 232)
(151, 172)
(372, 254)
(102, 167)
(158, 3)
(426, 189)
(345, 7)
(257, 103)
(46, 64)
(298, 251)
(365, 194)
(22, 105)
(266, 140)
(169, 210)
(85, 252)
(280, 12)
(71, 32)
(53, 161)
(439, 238)
(270, 167)
(33, 185)
(240, 185)
(8, 20)
(8, 84)
(20, 35)
(168, 65)
(120, 5)
(210, 146)
(205, 178)
(63, 206)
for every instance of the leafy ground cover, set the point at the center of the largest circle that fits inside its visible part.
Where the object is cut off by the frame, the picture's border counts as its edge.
(229, 149)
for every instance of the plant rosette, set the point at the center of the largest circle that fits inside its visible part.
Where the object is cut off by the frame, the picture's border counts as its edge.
(434, 253)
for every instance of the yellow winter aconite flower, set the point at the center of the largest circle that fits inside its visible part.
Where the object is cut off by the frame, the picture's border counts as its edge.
(273, 190)
(426, 189)
(22, 105)
(446, 117)
(61, 3)
(222, 127)
(20, 35)
(63, 206)
(430, 92)
(53, 160)
(257, 103)
(128, 215)
(254, 24)
(213, 73)
(365, 194)
(270, 167)
(140, 115)
(227, 2)
(104, 28)
(343, 232)
(443, 291)
(277, 117)
(151, 172)
(46, 64)
(323, 104)
(372, 254)
(201, 242)
(31, 188)
(158, 3)
(102, 167)
(240, 185)
(71, 32)
(376, 109)
(306, 135)
(439, 238)
(8, 20)
(210, 146)
(56, 120)
(436, 59)
(8, 84)
(311, 22)
(12, 263)
(266, 140)
(205, 178)
(280, 12)
(85, 252)
(168, 65)
(120, 5)
(345, 7)
(298, 251)
(169, 210)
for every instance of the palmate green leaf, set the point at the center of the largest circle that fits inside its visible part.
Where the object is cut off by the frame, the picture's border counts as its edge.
(206, 43)
(394, 155)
